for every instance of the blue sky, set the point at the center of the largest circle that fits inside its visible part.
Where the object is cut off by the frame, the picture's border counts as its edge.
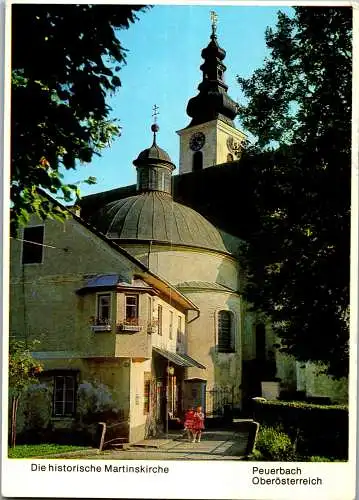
(163, 60)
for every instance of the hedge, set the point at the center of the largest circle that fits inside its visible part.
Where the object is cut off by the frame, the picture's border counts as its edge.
(316, 429)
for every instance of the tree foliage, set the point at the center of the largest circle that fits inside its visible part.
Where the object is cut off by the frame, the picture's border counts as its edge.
(299, 110)
(65, 60)
(23, 372)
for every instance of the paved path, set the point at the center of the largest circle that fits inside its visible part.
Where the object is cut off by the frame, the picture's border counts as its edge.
(215, 445)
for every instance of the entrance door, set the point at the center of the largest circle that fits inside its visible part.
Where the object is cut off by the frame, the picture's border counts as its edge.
(195, 393)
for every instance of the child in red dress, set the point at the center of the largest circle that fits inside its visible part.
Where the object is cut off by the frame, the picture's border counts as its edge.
(188, 423)
(198, 424)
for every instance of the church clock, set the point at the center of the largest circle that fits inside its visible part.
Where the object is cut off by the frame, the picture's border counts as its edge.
(197, 141)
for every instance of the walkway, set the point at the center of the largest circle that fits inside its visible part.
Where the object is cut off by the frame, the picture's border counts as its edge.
(215, 445)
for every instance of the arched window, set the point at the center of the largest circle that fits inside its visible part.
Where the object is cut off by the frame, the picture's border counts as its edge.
(197, 162)
(225, 332)
(260, 341)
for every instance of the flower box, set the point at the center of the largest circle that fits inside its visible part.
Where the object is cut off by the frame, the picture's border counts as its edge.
(101, 328)
(129, 327)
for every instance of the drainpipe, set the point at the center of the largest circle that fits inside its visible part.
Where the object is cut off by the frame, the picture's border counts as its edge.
(193, 319)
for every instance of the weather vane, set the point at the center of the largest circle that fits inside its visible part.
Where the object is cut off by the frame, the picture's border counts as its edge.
(214, 19)
(154, 127)
(155, 113)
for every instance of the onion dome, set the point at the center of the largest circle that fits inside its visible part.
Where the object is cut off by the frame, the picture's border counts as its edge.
(212, 102)
(154, 216)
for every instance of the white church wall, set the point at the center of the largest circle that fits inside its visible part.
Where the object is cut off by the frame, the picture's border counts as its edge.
(222, 369)
(179, 264)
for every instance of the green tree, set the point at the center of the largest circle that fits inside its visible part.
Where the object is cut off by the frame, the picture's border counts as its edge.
(299, 111)
(23, 371)
(65, 60)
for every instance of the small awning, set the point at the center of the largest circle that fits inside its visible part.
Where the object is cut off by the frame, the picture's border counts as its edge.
(179, 359)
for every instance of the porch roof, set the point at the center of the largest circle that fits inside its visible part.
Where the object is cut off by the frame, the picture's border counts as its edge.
(179, 359)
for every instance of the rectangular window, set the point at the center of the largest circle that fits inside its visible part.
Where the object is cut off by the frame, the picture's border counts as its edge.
(146, 393)
(131, 308)
(103, 308)
(160, 320)
(64, 395)
(32, 248)
(171, 325)
(179, 330)
(225, 332)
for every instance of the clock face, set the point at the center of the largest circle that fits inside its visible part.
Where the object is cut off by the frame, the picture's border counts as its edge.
(197, 141)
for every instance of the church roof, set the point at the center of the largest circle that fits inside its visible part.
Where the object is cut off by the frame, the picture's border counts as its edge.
(154, 153)
(203, 285)
(154, 216)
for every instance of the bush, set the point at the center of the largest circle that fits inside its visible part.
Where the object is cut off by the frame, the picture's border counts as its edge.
(317, 430)
(316, 458)
(274, 445)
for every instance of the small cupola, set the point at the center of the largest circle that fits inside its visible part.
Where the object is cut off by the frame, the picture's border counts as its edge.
(154, 167)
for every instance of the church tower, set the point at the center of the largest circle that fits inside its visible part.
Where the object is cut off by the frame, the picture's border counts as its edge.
(211, 138)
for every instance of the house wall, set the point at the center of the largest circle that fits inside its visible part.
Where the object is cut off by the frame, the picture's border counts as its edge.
(138, 419)
(133, 344)
(164, 341)
(114, 373)
(43, 300)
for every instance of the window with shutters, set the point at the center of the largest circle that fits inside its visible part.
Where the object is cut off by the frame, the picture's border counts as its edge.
(64, 395)
(225, 332)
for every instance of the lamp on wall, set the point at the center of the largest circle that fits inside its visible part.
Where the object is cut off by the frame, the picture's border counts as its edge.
(170, 370)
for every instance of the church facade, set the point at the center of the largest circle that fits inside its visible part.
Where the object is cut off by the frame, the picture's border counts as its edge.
(143, 294)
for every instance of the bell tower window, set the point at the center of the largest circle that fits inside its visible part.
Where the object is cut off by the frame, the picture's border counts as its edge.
(197, 161)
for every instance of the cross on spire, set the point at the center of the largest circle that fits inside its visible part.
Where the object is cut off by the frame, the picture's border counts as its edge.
(155, 112)
(214, 18)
